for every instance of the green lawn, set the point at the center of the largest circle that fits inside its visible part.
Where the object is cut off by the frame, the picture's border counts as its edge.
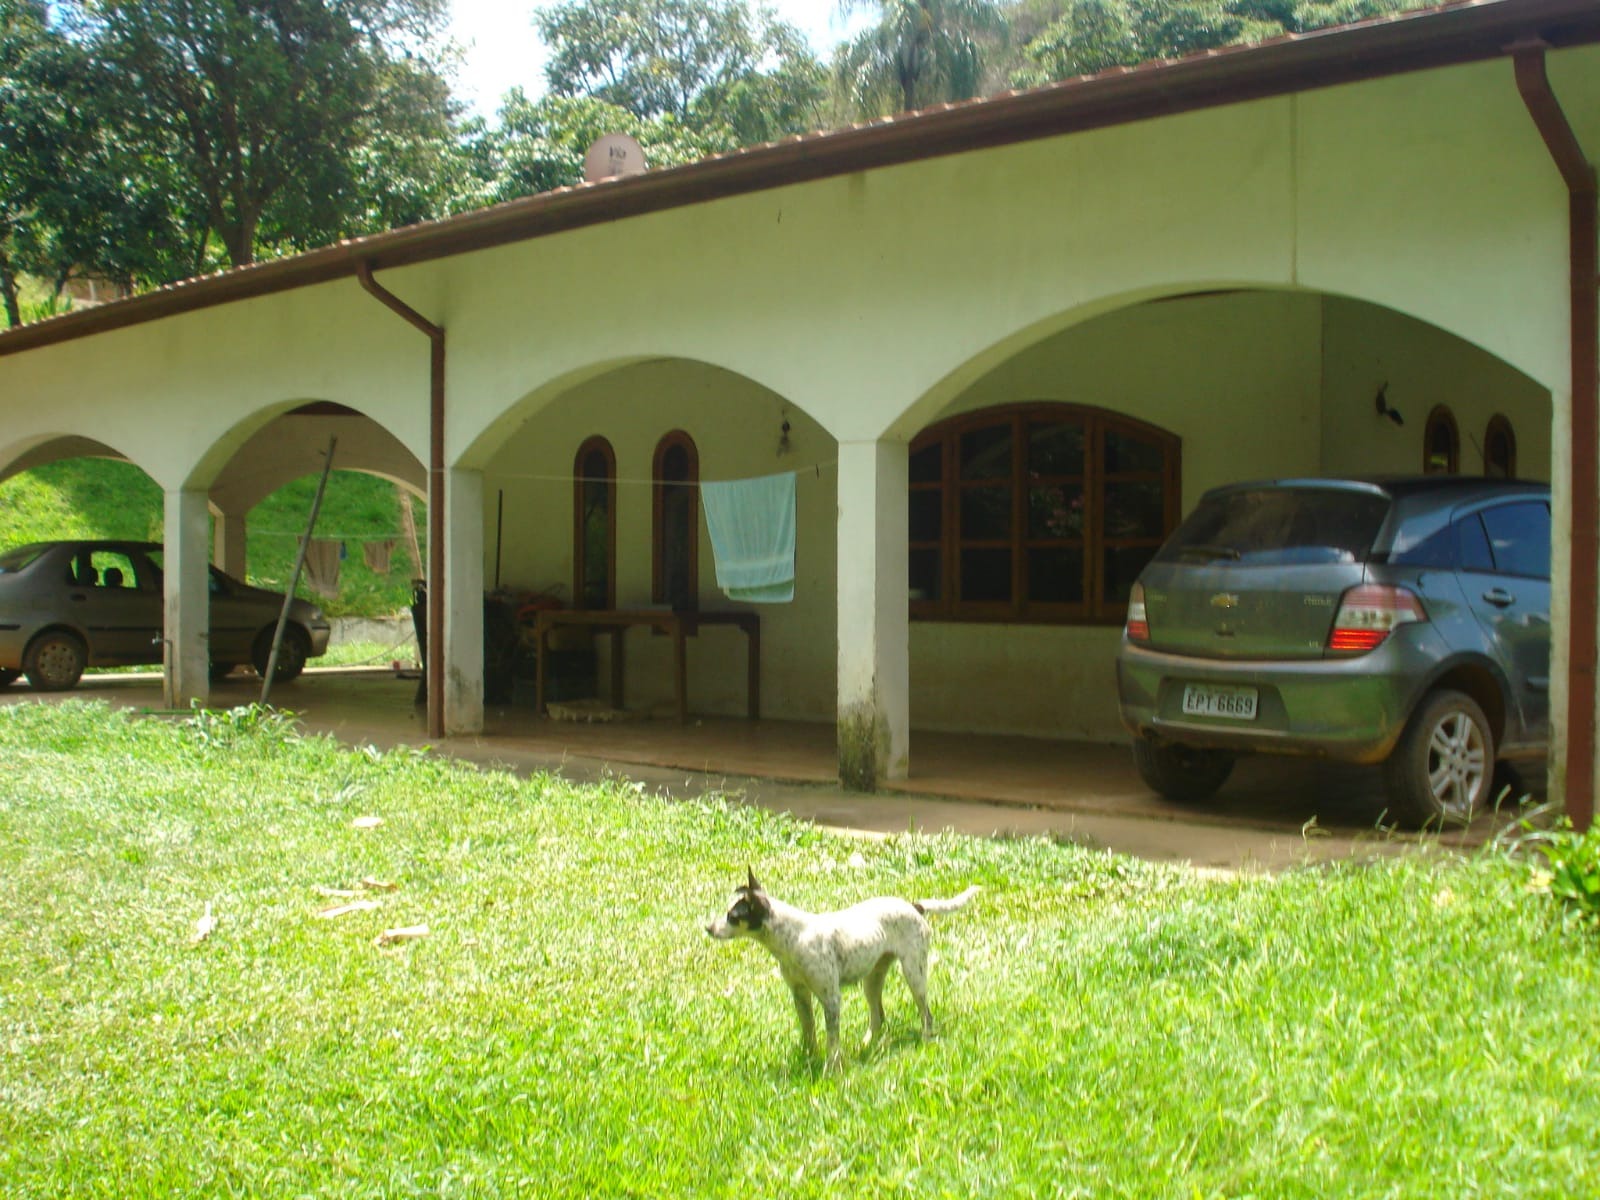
(1416, 1027)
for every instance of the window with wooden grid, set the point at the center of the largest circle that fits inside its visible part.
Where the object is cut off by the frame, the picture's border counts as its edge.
(1037, 513)
(594, 534)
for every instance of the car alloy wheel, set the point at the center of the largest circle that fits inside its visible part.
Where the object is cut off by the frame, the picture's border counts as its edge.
(1442, 767)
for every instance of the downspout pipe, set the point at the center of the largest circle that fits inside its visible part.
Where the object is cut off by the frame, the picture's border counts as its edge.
(435, 627)
(1533, 82)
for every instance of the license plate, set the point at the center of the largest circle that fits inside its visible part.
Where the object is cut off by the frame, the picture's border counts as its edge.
(1219, 700)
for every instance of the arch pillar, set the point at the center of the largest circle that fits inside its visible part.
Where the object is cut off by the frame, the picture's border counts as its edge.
(186, 580)
(463, 599)
(874, 696)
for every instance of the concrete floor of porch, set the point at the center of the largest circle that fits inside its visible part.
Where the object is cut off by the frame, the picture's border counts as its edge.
(1274, 812)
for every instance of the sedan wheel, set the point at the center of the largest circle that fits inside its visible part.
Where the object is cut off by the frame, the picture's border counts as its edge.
(1182, 774)
(54, 661)
(292, 653)
(1443, 766)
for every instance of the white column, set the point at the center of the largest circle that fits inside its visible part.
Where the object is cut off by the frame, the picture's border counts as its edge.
(227, 550)
(463, 597)
(874, 630)
(187, 584)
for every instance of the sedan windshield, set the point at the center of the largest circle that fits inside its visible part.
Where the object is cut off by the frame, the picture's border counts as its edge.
(15, 560)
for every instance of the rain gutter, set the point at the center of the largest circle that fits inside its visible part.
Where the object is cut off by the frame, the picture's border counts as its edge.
(434, 666)
(1533, 82)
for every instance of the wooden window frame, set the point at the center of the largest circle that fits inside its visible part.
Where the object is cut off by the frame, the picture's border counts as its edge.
(1500, 425)
(658, 489)
(1441, 415)
(1095, 608)
(580, 560)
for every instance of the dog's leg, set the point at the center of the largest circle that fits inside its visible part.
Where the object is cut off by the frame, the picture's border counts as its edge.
(872, 989)
(808, 1024)
(830, 1017)
(914, 966)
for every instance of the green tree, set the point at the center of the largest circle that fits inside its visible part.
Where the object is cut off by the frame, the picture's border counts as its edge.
(921, 52)
(1081, 37)
(264, 106)
(715, 66)
(540, 144)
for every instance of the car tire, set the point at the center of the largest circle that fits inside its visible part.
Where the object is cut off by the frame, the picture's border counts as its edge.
(54, 661)
(1183, 774)
(292, 653)
(1441, 771)
(8, 676)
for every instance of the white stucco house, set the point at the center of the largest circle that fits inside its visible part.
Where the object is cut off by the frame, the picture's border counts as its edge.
(1005, 345)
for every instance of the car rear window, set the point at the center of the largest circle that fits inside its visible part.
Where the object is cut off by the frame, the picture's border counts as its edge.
(1279, 526)
(15, 560)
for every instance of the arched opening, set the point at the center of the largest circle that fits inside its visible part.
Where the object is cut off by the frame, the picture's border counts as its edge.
(594, 533)
(1441, 443)
(1500, 449)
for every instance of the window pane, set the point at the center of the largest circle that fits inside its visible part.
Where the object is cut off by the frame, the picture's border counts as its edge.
(1055, 512)
(925, 574)
(1055, 576)
(927, 464)
(1055, 449)
(986, 453)
(1122, 567)
(927, 515)
(1135, 510)
(1129, 452)
(986, 575)
(985, 514)
(1475, 553)
(1520, 535)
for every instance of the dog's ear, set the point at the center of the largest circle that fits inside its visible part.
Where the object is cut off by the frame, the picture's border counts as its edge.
(752, 886)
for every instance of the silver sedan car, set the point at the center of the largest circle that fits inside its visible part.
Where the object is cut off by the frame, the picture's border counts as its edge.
(65, 606)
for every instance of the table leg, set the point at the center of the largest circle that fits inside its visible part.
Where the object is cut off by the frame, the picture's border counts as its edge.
(753, 667)
(680, 663)
(618, 701)
(541, 649)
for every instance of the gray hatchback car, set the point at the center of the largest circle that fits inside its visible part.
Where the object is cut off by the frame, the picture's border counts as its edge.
(65, 606)
(1396, 621)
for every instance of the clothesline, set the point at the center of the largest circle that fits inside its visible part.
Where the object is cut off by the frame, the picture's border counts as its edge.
(817, 468)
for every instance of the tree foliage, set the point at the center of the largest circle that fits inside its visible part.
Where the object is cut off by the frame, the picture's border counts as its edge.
(1081, 37)
(920, 52)
(265, 106)
(717, 67)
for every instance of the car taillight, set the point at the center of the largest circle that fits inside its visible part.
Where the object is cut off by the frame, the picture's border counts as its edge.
(1138, 625)
(1367, 614)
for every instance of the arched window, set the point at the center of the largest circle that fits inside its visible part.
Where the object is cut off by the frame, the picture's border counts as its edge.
(1037, 512)
(1499, 449)
(1441, 443)
(594, 530)
(676, 522)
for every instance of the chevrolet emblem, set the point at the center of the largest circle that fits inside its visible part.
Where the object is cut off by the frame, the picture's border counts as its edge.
(1225, 600)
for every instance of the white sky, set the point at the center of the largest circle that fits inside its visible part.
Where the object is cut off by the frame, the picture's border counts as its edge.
(503, 51)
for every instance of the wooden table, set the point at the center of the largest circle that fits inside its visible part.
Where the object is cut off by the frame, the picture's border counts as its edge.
(679, 626)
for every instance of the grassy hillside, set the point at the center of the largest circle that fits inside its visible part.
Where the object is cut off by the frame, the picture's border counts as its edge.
(88, 497)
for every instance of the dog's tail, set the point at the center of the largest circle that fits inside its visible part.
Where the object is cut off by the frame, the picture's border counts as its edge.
(928, 907)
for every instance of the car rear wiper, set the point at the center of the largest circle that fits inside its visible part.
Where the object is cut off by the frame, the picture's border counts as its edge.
(1201, 550)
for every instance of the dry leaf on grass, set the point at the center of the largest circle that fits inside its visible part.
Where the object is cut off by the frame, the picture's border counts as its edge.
(339, 910)
(379, 885)
(366, 822)
(406, 933)
(204, 926)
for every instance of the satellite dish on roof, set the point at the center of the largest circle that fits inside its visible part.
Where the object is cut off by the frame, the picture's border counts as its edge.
(613, 154)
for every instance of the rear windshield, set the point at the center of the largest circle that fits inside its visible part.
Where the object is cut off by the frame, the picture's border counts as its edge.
(15, 560)
(1279, 526)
